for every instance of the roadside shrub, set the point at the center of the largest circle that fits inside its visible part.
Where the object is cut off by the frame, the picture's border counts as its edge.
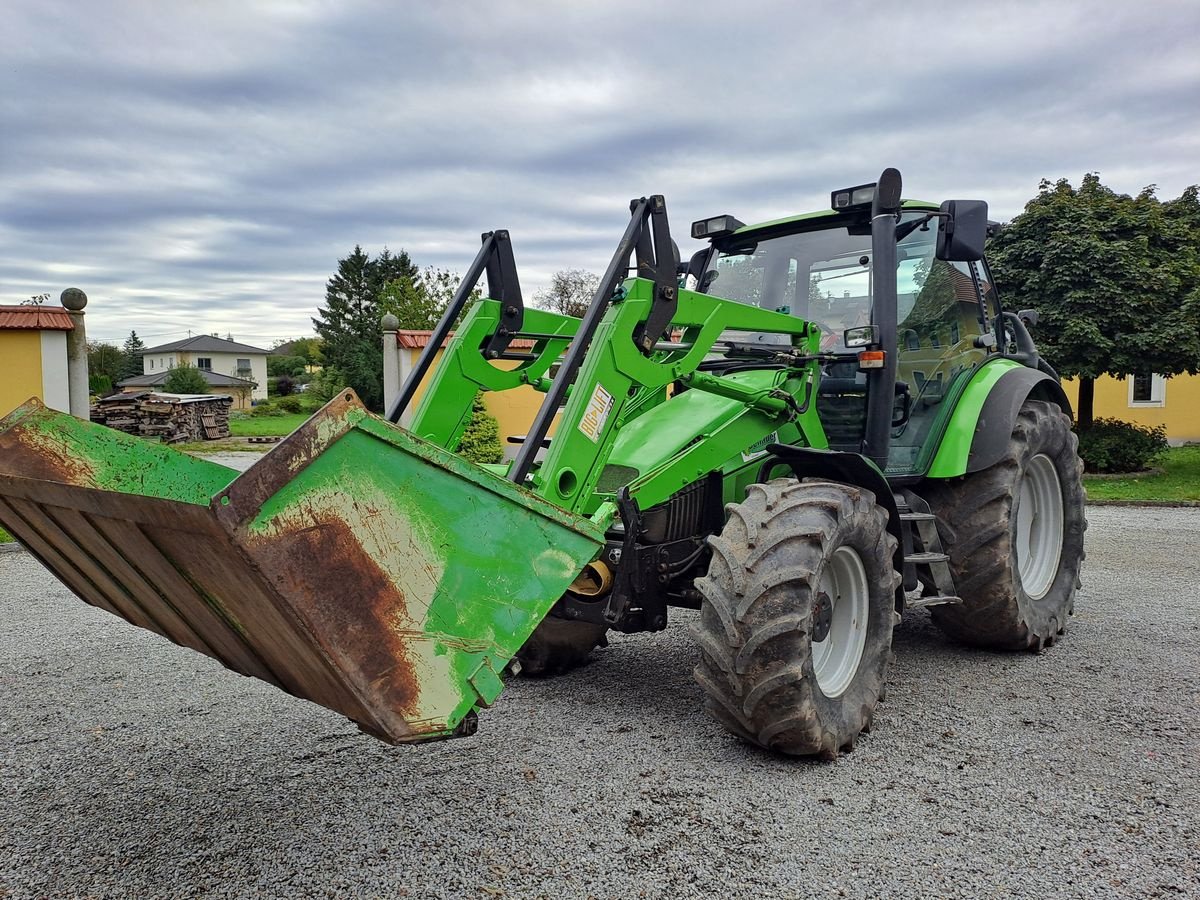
(481, 441)
(1111, 446)
(266, 408)
(296, 403)
(292, 403)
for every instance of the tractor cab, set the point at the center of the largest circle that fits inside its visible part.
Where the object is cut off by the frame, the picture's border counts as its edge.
(822, 268)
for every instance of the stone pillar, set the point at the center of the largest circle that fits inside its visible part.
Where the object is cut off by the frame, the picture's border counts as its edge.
(74, 300)
(391, 359)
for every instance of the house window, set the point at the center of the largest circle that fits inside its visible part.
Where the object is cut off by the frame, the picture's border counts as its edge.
(204, 363)
(151, 365)
(243, 366)
(1147, 389)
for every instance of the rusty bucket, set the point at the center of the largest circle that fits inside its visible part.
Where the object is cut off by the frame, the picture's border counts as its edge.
(354, 565)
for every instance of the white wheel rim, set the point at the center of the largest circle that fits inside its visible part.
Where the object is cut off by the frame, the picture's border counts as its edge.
(1039, 527)
(835, 659)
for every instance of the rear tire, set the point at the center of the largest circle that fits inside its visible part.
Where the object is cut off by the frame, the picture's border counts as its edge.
(557, 646)
(795, 627)
(1014, 533)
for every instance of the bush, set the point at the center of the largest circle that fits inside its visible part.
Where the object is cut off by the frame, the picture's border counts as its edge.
(284, 386)
(324, 384)
(289, 405)
(1111, 445)
(100, 384)
(481, 441)
(297, 403)
(185, 380)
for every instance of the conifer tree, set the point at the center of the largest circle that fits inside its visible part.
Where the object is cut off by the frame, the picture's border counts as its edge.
(131, 365)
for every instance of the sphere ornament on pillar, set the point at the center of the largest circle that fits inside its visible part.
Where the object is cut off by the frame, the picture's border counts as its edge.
(389, 322)
(73, 299)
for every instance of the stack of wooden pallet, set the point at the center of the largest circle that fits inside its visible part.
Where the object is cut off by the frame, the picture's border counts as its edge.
(170, 418)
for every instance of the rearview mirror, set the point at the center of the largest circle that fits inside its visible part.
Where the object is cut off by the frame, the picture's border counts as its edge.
(862, 336)
(962, 230)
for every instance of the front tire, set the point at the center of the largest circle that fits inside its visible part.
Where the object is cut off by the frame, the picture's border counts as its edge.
(1014, 534)
(795, 627)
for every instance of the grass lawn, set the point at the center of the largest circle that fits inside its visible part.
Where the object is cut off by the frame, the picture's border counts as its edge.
(1180, 480)
(266, 426)
(5, 537)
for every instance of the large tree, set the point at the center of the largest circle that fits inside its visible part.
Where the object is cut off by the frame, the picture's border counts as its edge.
(1115, 278)
(570, 292)
(132, 365)
(418, 303)
(106, 361)
(348, 323)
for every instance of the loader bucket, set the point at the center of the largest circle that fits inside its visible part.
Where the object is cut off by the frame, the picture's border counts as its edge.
(355, 565)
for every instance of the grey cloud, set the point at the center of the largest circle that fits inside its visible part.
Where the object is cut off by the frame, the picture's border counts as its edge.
(208, 164)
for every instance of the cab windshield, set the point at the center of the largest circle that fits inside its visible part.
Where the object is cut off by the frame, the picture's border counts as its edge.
(823, 276)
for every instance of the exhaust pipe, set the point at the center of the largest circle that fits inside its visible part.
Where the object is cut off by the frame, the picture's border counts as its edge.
(594, 581)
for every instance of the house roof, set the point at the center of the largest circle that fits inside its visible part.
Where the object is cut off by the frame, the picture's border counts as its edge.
(35, 318)
(215, 379)
(413, 339)
(204, 343)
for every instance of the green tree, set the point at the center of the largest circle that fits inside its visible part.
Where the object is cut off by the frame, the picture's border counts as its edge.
(411, 303)
(185, 379)
(388, 267)
(348, 323)
(310, 349)
(290, 366)
(1115, 278)
(481, 440)
(418, 303)
(570, 292)
(106, 361)
(131, 352)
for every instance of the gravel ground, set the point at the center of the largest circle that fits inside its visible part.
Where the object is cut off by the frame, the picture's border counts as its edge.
(130, 767)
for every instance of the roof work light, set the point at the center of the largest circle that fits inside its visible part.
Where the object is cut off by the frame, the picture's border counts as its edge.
(852, 198)
(715, 227)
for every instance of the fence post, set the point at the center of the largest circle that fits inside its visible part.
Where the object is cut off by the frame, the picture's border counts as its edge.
(78, 392)
(391, 359)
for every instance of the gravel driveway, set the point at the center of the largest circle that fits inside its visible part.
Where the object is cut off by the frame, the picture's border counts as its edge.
(130, 767)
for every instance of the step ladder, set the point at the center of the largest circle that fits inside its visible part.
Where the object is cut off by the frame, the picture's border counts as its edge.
(924, 554)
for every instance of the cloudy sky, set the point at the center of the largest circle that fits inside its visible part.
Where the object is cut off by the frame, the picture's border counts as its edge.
(204, 166)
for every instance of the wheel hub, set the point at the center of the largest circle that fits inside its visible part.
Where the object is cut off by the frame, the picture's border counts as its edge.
(822, 616)
(1039, 526)
(840, 612)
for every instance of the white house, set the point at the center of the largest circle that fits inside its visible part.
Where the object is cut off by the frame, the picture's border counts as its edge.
(228, 366)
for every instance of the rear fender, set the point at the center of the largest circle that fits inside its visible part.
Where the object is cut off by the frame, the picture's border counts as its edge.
(983, 419)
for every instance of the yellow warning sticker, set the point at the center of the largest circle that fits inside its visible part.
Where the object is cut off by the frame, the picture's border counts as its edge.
(596, 414)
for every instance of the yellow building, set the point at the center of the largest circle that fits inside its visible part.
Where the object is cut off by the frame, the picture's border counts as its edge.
(1148, 400)
(513, 410)
(33, 356)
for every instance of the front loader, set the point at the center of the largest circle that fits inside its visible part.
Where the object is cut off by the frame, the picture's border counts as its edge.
(812, 426)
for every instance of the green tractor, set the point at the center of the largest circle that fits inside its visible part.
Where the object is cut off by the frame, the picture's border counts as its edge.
(810, 427)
